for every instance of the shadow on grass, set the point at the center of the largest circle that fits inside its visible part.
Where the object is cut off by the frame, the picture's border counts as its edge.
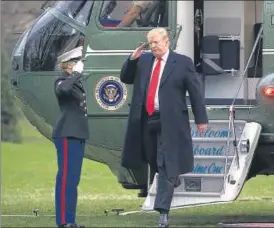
(141, 220)
(214, 220)
(177, 220)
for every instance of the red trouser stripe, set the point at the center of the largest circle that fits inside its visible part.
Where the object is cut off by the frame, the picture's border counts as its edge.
(64, 182)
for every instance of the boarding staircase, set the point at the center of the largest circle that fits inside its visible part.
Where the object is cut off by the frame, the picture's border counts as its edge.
(222, 158)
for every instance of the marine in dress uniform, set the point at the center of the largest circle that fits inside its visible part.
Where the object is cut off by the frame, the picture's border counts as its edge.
(158, 130)
(69, 134)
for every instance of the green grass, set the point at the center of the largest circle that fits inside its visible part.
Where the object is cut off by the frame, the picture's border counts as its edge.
(28, 178)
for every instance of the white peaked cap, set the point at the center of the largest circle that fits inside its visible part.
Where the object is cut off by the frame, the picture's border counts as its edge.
(72, 54)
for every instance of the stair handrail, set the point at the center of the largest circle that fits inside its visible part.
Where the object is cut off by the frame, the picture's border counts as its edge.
(248, 61)
(231, 126)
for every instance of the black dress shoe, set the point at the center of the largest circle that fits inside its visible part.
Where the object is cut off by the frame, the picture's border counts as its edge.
(71, 225)
(163, 220)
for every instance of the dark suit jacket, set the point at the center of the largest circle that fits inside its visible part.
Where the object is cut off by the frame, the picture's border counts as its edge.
(71, 97)
(179, 76)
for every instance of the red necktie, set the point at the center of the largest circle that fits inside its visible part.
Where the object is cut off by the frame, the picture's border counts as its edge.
(153, 86)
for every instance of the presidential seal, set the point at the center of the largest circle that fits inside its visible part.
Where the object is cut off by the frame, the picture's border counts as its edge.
(110, 93)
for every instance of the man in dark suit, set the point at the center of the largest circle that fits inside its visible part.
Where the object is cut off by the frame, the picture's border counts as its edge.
(158, 130)
(69, 135)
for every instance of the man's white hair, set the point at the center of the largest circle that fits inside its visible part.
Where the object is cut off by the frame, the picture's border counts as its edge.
(161, 31)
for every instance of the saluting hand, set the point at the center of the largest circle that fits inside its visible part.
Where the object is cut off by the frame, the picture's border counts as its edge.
(78, 67)
(137, 52)
(201, 128)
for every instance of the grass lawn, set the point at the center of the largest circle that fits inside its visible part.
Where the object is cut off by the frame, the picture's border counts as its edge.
(28, 178)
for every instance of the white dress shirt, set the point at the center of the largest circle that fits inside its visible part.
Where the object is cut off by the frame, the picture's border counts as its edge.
(163, 63)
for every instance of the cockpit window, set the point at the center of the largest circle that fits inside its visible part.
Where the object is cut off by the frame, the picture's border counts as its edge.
(78, 10)
(134, 14)
(47, 39)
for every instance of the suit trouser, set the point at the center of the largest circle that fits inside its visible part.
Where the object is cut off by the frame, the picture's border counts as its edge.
(165, 185)
(70, 154)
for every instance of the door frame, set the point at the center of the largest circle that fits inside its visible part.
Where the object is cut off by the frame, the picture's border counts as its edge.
(95, 27)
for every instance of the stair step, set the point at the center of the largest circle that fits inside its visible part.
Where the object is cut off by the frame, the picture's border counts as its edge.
(192, 194)
(218, 129)
(202, 184)
(223, 122)
(214, 139)
(210, 166)
(197, 184)
(213, 157)
(212, 147)
(197, 193)
(202, 175)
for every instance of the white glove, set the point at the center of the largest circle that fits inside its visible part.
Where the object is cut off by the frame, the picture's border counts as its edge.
(78, 67)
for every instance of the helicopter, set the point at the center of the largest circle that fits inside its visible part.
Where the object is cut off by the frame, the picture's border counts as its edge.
(230, 43)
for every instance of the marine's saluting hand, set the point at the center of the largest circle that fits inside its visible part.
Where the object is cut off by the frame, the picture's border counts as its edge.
(78, 67)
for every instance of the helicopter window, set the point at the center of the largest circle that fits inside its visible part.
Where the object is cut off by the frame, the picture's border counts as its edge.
(78, 10)
(47, 39)
(134, 13)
